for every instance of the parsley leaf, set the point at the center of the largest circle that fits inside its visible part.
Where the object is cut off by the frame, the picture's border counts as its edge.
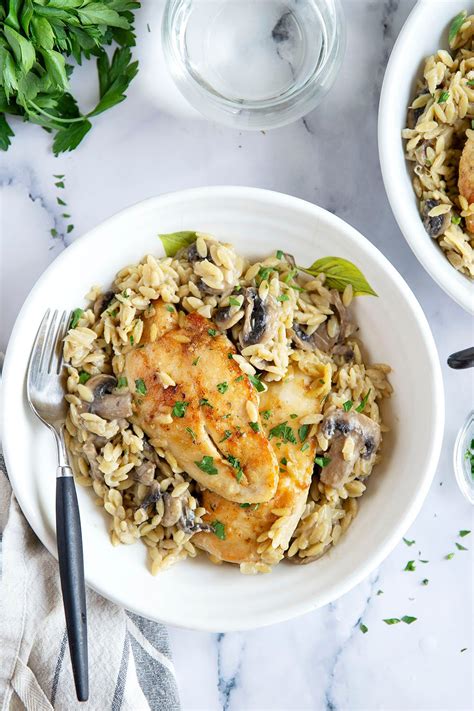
(258, 385)
(233, 301)
(410, 565)
(212, 332)
(255, 426)
(392, 620)
(222, 387)
(122, 382)
(464, 533)
(283, 432)
(227, 434)
(266, 414)
(179, 408)
(361, 407)
(363, 628)
(303, 432)
(76, 315)
(83, 377)
(140, 386)
(191, 432)
(322, 461)
(460, 547)
(409, 543)
(219, 529)
(235, 463)
(207, 465)
(204, 402)
(407, 619)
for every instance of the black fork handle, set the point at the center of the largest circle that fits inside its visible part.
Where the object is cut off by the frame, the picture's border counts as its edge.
(71, 569)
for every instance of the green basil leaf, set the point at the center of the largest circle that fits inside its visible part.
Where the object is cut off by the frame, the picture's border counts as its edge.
(339, 273)
(22, 48)
(174, 241)
(456, 25)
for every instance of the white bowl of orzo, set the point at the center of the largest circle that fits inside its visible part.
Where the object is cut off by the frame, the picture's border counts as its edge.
(232, 382)
(426, 141)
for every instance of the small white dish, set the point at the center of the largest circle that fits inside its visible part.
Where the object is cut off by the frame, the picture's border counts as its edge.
(424, 32)
(196, 593)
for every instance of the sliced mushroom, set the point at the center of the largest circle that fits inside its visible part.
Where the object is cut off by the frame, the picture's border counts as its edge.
(144, 473)
(260, 318)
(338, 427)
(187, 522)
(173, 510)
(102, 301)
(107, 403)
(320, 339)
(435, 226)
(153, 496)
(90, 452)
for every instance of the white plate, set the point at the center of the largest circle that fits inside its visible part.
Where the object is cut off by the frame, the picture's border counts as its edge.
(424, 32)
(196, 593)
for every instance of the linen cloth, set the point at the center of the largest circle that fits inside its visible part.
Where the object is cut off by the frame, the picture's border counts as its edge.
(130, 667)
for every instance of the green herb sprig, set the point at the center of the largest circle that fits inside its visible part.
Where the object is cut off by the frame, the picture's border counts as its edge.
(36, 39)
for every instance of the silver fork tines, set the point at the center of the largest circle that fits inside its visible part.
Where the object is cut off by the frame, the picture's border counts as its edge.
(45, 379)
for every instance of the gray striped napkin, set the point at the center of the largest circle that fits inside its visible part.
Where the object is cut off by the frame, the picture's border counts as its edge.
(129, 657)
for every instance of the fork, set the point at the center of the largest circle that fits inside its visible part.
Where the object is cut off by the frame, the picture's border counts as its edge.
(45, 392)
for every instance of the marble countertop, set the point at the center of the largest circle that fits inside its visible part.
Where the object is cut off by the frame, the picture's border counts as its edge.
(320, 661)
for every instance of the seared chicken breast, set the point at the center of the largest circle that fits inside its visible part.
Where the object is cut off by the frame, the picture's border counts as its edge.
(283, 407)
(192, 396)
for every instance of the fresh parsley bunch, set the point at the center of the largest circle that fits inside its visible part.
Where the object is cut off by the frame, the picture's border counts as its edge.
(36, 37)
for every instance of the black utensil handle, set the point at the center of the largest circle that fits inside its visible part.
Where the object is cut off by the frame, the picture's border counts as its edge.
(71, 569)
(462, 359)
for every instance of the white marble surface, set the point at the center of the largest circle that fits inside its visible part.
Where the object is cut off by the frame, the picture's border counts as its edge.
(321, 661)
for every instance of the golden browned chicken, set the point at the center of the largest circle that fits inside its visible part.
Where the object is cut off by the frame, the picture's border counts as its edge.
(466, 178)
(190, 394)
(282, 407)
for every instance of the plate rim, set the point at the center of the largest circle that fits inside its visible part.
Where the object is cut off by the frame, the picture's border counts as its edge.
(337, 589)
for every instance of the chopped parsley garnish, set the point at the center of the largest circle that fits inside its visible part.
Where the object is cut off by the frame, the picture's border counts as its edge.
(470, 456)
(409, 543)
(363, 403)
(443, 97)
(449, 556)
(322, 461)
(455, 219)
(258, 385)
(239, 379)
(212, 332)
(347, 405)
(113, 313)
(170, 308)
(222, 387)
(140, 386)
(196, 360)
(407, 619)
(179, 408)
(207, 465)
(283, 432)
(233, 301)
(266, 414)
(284, 461)
(255, 426)
(460, 547)
(379, 592)
(219, 529)
(125, 295)
(283, 297)
(131, 339)
(264, 273)
(227, 434)
(246, 506)
(425, 581)
(293, 416)
(410, 565)
(392, 620)
(363, 628)
(303, 432)
(230, 356)
(279, 254)
(83, 377)
(423, 561)
(305, 447)
(204, 402)
(122, 382)
(464, 533)
(76, 315)
(191, 432)
(234, 462)
(470, 82)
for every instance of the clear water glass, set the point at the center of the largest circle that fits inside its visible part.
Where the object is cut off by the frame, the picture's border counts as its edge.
(253, 64)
